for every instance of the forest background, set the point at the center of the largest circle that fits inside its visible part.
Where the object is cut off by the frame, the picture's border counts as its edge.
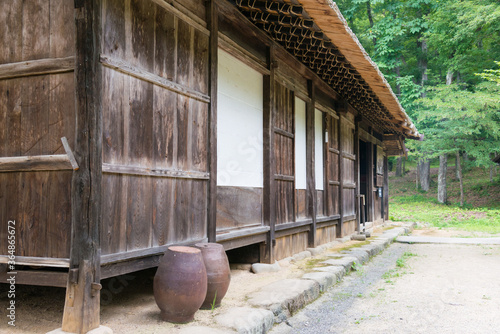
(442, 60)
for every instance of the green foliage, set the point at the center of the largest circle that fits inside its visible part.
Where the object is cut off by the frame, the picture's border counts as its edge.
(491, 75)
(417, 44)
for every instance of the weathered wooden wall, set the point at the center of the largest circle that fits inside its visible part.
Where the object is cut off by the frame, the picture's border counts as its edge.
(37, 108)
(155, 126)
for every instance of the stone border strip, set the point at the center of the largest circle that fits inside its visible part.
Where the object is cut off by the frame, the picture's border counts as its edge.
(277, 301)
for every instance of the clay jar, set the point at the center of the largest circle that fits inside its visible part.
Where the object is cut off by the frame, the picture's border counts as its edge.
(218, 273)
(180, 284)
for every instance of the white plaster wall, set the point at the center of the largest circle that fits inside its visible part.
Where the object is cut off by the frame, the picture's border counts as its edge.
(318, 148)
(300, 144)
(239, 124)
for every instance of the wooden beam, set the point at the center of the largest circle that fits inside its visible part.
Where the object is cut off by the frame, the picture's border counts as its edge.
(357, 180)
(213, 23)
(154, 172)
(282, 177)
(82, 304)
(136, 264)
(311, 198)
(284, 133)
(37, 67)
(175, 7)
(386, 189)
(35, 163)
(38, 277)
(369, 184)
(340, 122)
(37, 261)
(127, 68)
(139, 253)
(269, 207)
(228, 45)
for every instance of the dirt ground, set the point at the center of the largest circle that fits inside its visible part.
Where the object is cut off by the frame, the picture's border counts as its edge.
(128, 306)
(127, 302)
(440, 289)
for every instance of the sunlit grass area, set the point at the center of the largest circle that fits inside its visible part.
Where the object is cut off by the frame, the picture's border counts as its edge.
(481, 213)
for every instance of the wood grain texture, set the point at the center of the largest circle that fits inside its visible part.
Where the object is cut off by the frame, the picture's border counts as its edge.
(238, 207)
(290, 245)
(37, 67)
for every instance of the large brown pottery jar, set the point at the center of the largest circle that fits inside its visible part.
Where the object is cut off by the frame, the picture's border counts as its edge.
(218, 273)
(180, 284)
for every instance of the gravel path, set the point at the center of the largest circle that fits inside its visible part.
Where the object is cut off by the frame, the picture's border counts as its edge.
(436, 289)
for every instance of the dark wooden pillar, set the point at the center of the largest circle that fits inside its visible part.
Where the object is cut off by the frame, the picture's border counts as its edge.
(386, 189)
(212, 19)
(310, 164)
(269, 205)
(341, 108)
(81, 309)
(369, 184)
(357, 180)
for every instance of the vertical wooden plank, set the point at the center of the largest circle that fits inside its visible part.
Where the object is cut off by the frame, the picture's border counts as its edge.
(166, 44)
(311, 197)
(11, 31)
(111, 214)
(213, 25)
(181, 209)
(139, 213)
(34, 128)
(81, 309)
(185, 53)
(198, 209)
(269, 203)
(199, 136)
(58, 214)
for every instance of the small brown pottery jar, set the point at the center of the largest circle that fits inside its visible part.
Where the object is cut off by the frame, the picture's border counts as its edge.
(180, 284)
(218, 273)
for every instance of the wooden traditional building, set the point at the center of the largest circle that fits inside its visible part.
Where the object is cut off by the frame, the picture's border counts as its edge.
(127, 126)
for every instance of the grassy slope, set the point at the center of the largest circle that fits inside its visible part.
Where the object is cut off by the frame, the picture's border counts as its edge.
(481, 212)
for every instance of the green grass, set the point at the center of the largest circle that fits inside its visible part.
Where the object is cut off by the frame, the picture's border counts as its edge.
(481, 213)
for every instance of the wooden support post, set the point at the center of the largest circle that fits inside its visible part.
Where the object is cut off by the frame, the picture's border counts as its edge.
(386, 189)
(81, 309)
(369, 192)
(212, 19)
(269, 206)
(356, 173)
(310, 164)
(340, 226)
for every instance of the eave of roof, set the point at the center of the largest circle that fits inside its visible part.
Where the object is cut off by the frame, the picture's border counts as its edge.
(329, 19)
(315, 32)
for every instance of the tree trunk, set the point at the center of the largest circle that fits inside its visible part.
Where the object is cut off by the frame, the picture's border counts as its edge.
(425, 173)
(370, 18)
(416, 177)
(457, 158)
(459, 169)
(398, 166)
(442, 194)
(404, 166)
(422, 64)
(449, 77)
